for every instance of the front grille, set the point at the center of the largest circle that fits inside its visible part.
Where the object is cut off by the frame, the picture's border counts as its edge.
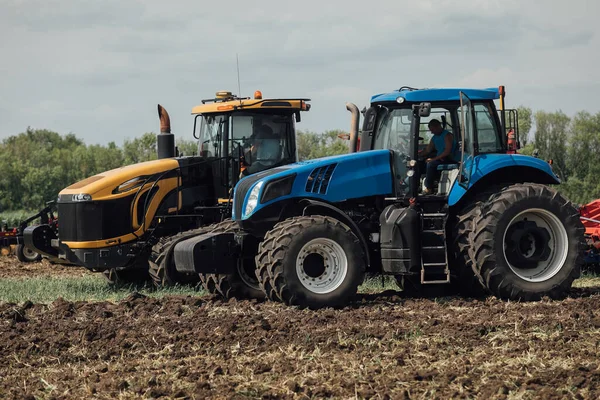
(93, 220)
(318, 180)
(245, 184)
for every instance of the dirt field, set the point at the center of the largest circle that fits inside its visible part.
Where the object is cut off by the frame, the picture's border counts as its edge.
(10, 267)
(383, 346)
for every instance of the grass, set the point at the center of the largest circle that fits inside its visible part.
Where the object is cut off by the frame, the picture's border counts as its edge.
(88, 288)
(94, 288)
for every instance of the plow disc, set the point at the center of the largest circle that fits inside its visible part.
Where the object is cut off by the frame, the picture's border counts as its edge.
(590, 217)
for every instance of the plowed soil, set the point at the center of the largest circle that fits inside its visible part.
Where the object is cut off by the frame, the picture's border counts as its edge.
(382, 346)
(10, 267)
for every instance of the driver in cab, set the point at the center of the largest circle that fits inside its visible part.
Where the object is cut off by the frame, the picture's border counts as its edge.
(444, 146)
(264, 152)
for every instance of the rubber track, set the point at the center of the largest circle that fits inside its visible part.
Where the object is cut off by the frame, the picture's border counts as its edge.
(162, 253)
(273, 248)
(481, 251)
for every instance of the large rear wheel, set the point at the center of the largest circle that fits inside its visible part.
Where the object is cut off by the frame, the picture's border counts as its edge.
(527, 243)
(314, 262)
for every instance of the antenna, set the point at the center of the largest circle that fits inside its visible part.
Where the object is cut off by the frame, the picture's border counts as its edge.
(237, 60)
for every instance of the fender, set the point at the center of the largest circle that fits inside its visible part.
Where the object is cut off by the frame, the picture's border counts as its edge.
(518, 167)
(341, 215)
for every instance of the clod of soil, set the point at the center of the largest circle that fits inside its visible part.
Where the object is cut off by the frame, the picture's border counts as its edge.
(383, 346)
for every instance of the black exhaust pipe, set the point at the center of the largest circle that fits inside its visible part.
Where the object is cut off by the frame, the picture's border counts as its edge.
(165, 140)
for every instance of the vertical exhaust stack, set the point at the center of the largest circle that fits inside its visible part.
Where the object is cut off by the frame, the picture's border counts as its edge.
(354, 123)
(165, 140)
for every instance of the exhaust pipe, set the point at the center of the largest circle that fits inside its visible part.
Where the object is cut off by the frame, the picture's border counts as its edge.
(165, 140)
(353, 126)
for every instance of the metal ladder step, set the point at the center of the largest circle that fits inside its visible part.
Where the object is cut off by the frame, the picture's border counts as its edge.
(435, 269)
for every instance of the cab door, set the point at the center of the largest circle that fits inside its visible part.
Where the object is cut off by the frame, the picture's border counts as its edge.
(469, 140)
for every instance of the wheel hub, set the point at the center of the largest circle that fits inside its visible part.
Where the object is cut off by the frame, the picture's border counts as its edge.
(321, 265)
(535, 244)
(527, 244)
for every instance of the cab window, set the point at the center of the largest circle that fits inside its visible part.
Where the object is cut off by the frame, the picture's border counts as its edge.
(488, 137)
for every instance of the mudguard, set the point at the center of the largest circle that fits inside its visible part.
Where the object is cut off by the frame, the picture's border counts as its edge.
(484, 164)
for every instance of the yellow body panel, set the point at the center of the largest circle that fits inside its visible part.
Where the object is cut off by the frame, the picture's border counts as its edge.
(249, 104)
(100, 187)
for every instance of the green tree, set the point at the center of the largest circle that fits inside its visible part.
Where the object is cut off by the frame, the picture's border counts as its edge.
(312, 145)
(551, 136)
(140, 149)
(187, 147)
(524, 121)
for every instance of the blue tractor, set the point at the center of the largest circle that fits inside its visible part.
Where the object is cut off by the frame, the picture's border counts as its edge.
(307, 233)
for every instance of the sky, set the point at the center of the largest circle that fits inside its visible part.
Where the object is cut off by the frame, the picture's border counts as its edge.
(99, 68)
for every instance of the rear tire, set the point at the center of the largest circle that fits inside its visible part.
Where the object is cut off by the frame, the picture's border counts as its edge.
(527, 243)
(470, 283)
(314, 262)
(25, 254)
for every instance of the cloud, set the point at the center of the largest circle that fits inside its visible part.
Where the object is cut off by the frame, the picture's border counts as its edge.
(99, 68)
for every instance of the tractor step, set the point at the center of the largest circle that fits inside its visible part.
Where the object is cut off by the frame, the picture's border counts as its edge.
(434, 257)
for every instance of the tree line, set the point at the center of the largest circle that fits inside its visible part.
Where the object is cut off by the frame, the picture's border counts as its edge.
(36, 164)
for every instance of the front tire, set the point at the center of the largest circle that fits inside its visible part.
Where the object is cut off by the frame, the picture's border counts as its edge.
(314, 262)
(527, 243)
(25, 254)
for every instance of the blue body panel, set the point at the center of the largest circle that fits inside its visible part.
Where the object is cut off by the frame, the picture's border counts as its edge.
(445, 94)
(351, 176)
(487, 163)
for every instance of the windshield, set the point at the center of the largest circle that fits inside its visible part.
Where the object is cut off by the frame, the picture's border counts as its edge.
(211, 133)
(393, 133)
(264, 140)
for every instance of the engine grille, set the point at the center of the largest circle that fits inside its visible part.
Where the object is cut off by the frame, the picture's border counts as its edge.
(94, 220)
(319, 178)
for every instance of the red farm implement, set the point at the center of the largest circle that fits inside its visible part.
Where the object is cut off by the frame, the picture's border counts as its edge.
(590, 217)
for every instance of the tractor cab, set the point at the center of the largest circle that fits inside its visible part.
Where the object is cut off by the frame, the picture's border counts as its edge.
(246, 135)
(404, 122)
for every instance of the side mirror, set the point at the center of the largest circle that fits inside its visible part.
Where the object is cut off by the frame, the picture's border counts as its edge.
(297, 113)
(424, 109)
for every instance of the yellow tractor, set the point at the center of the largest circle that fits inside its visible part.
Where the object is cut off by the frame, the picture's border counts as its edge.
(109, 222)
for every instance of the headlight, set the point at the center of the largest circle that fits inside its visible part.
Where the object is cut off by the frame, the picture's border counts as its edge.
(130, 184)
(82, 197)
(252, 199)
(277, 188)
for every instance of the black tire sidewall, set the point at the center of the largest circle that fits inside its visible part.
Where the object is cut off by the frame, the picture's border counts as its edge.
(22, 256)
(355, 259)
(563, 214)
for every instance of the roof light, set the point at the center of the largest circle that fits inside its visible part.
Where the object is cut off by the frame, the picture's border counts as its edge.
(223, 94)
(225, 108)
(400, 100)
(258, 95)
